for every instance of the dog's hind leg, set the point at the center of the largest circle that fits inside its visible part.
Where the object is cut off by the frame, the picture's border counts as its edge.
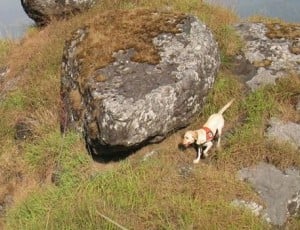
(196, 161)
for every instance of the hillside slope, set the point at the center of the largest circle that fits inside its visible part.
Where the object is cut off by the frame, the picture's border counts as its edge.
(48, 181)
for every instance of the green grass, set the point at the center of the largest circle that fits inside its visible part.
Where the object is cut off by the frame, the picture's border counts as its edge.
(127, 196)
(54, 152)
(15, 101)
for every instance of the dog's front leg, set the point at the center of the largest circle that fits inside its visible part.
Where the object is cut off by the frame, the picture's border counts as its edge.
(219, 140)
(208, 147)
(199, 152)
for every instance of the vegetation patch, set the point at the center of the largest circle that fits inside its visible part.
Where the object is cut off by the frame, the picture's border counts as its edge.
(121, 30)
(174, 202)
(283, 30)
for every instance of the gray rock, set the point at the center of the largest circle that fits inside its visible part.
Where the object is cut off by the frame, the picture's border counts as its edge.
(43, 11)
(186, 170)
(272, 57)
(255, 208)
(23, 129)
(284, 132)
(140, 103)
(280, 191)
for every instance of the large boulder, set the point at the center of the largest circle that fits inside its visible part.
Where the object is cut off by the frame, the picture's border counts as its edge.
(42, 11)
(135, 76)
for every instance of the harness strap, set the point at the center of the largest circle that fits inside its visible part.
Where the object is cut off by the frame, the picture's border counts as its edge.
(209, 134)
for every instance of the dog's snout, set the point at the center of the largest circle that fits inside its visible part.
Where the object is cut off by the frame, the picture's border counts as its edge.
(181, 146)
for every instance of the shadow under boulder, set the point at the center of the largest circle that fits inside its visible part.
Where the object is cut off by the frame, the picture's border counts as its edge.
(129, 78)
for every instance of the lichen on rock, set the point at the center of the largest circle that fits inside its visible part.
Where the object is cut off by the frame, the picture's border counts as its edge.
(140, 74)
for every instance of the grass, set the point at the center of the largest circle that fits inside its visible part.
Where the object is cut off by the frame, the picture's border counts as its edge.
(129, 192)
(249, 139)
(56, 184)
(5, 47)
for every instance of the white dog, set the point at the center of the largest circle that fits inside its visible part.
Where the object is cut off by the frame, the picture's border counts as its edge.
(211, 130)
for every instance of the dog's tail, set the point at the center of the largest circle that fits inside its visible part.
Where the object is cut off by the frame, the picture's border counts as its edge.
(221, 111)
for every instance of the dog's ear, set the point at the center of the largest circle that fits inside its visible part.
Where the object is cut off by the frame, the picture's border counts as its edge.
(195, 135)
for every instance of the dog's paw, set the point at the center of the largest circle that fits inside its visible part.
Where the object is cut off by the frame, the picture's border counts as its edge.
(195, 161)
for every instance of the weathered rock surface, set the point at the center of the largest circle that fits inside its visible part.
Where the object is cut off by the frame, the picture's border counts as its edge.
(271, 50)
(284, 132)
(128, 103)
(42, 11)
(279, 190)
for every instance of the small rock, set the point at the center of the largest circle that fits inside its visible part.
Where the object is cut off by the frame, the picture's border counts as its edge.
(185, 171)
(23, 130)
(149, 155)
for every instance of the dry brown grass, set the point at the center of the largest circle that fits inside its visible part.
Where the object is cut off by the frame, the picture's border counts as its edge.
(287, 93)
(283, 30)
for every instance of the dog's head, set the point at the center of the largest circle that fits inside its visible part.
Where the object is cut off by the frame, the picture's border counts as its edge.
(189, 138)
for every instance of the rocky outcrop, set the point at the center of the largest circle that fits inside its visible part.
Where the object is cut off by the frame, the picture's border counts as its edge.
(279, 190)
(153, 83)
(271, 51)
(42, 11)
(284, 132)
